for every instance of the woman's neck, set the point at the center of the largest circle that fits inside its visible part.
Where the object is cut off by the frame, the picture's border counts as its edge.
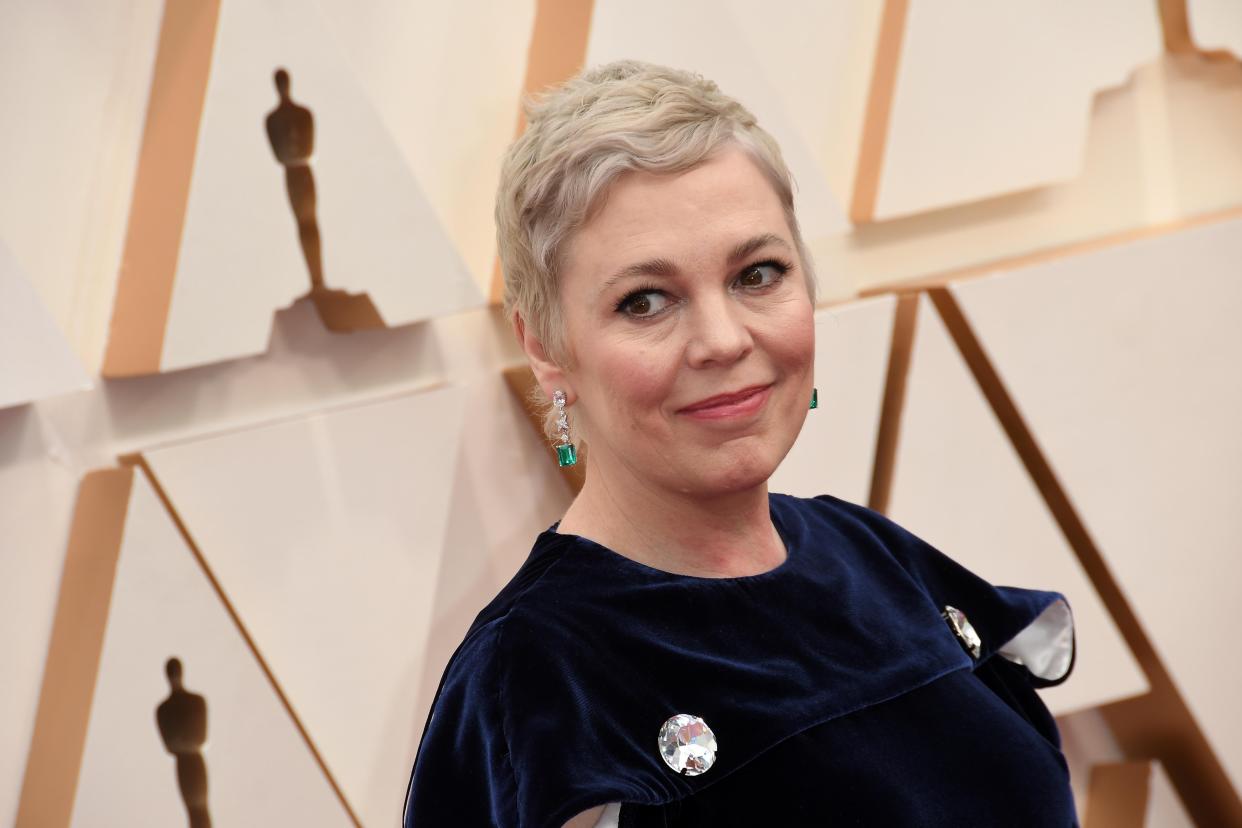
(724, 536)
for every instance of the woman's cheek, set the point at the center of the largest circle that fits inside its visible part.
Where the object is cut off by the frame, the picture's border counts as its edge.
(637, 383)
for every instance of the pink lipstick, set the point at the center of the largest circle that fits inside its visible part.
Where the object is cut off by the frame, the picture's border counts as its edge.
(741, 403)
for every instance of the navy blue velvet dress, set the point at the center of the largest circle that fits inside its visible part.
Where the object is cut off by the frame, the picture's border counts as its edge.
(837, 692)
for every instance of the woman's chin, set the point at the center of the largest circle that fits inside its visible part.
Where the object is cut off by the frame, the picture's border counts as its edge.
(723, 476)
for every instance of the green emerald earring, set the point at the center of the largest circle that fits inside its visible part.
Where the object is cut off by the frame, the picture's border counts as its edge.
(566, 454)
(814, 398)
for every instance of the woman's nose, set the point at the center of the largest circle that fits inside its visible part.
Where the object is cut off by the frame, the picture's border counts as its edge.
(718, 334)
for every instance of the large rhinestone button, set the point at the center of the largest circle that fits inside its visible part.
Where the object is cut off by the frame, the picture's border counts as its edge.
(687, 744)
(963, 629)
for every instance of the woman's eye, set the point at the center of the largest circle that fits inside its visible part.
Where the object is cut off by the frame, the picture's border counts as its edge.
(643, 303)
(761, 275)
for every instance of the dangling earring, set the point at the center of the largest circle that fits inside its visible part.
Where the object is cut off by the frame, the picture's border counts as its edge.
(566, 454)
(814, 398)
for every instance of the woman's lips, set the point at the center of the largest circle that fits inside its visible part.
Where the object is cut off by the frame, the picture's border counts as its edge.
(727, 406)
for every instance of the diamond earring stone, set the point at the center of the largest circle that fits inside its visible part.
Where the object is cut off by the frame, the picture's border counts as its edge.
(687, 744)
(566, 452)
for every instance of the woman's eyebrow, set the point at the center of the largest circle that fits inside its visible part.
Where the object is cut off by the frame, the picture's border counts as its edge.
(744, 250)
(665, 267)
(651, 267)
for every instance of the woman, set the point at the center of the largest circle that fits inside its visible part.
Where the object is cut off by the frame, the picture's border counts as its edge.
(684, 648)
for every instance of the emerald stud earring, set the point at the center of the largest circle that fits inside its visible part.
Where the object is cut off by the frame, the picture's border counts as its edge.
(814, 398)
(566, 454)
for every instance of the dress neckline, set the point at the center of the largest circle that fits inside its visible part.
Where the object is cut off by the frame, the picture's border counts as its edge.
(650, 571)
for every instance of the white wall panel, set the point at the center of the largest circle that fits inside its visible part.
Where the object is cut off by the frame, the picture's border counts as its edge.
(36, 506)
(36, 359)
(1161, 149)
(1125, 364)
(76, 77)
(1216, 24)
(326, 533)
(446, 80)
(994, 98)
(259, 770)
(835, 451)
(960, 486)
(240, 259)
(710, 38)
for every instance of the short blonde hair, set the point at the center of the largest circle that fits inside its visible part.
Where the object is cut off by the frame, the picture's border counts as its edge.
(579, 138)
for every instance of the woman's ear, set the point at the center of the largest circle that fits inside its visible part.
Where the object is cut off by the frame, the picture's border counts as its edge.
(548, 373)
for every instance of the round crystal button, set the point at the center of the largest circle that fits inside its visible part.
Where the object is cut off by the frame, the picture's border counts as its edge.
(687, 744)
(964, 630)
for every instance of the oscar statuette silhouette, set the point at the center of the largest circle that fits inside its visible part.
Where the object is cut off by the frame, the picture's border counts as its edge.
(291, 133)
(182, 719)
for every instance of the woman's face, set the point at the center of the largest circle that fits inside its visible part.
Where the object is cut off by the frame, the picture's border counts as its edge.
(680, 289)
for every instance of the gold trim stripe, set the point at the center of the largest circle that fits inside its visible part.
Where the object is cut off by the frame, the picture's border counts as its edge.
(54, 762)
(161, 188)
(905, 316)
(879, 110)
(140, 462)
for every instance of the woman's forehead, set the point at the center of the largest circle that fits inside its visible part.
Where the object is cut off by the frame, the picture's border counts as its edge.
(705, 213)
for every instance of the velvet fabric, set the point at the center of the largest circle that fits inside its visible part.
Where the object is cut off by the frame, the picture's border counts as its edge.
(837, 692)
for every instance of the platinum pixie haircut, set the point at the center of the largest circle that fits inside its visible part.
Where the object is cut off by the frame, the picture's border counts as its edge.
(579, 138)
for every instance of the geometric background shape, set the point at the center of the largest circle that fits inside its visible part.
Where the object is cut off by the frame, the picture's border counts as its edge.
(1135, 794)
(1132, 390)
(326, 532)
(959, 484)
(821, 72)
(1215, 25)
(76, 76)
(37, 494)
(1161, 152)
(239, 258)
(446, 79)
(163, 605)
(835, 450)
(35, 359)
(992, 99)
(622, 29)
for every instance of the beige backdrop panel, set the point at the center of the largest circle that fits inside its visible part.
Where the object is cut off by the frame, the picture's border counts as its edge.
(959, 485)
(36, 360)
(1161, 149)
(835, 451)
(306, 368)
(707, 37)
(76, 79)
(1131, 386)
(240, 259)
(446, 79)
(259, 770)
(818, 60)
(37, 492)
(326, 533)
(994, 98)
(1216, 24)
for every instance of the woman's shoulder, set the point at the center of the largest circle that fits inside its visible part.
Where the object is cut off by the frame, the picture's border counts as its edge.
(841, 526)
(522, 623)
(851, 532)
(544, 559)
(1002, 617)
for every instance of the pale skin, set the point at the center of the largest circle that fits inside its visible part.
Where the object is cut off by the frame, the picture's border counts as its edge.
(669, 490)
(706, 310)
